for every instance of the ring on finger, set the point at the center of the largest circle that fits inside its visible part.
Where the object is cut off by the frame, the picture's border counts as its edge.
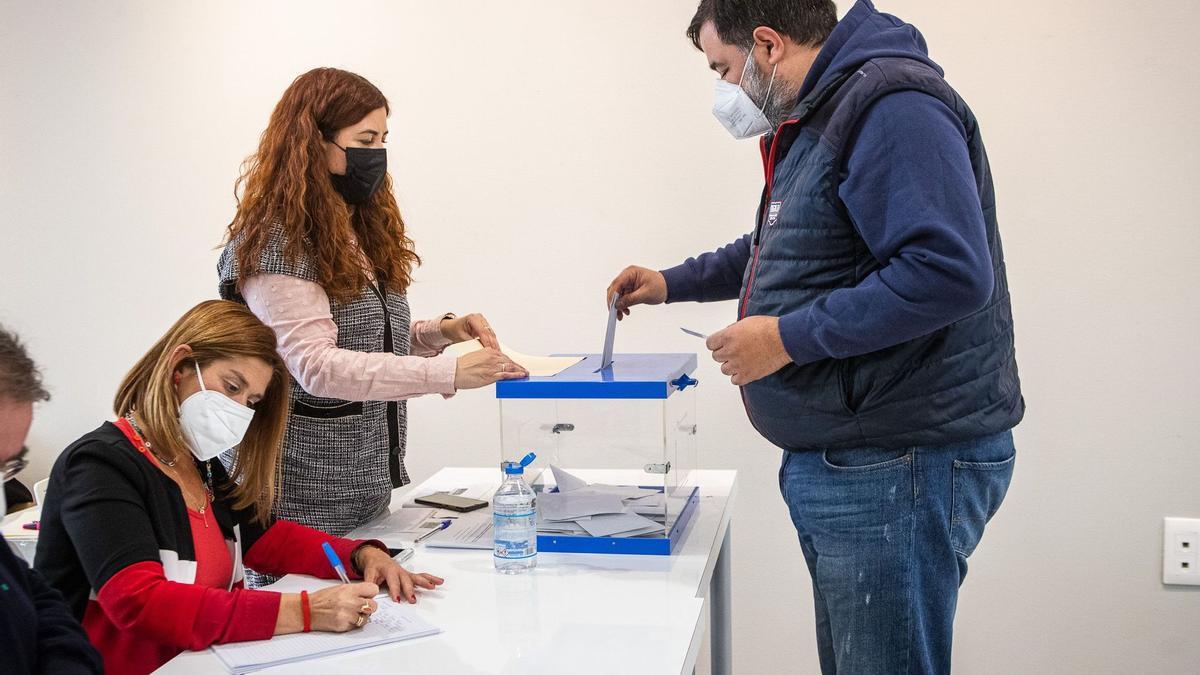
(359, 622)
(366, 609)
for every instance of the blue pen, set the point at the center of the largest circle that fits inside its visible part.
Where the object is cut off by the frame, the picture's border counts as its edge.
(336, 562)
(443, 525)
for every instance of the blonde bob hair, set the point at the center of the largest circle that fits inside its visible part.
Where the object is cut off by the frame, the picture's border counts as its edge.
(214, 330)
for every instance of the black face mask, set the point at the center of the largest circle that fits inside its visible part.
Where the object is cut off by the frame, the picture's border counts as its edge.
(365, 169)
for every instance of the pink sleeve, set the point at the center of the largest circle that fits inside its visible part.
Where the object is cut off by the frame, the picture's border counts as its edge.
(427, 338)
(298, 312)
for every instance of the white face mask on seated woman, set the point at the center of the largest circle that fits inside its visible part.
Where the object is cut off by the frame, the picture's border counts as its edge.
(212, 422)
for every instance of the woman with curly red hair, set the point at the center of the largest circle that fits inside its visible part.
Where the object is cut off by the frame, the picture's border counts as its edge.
(319, 252)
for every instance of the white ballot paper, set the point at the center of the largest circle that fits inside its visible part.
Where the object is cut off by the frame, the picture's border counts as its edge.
(565, 481)
(599, 510)
(577, 504)
(610, 334)
(538, 366)
(392, 622)
(618, 525)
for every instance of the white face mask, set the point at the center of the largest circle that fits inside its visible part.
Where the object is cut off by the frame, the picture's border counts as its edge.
(212, 422)
(736, 111)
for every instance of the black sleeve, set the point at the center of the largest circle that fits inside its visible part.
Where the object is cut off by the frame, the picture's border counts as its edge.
(104, 514)
(63, 647)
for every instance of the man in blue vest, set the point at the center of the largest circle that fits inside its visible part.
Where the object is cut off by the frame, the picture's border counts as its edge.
(874, 340)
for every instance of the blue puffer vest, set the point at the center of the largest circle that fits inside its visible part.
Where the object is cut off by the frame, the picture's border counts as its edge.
(955, 384)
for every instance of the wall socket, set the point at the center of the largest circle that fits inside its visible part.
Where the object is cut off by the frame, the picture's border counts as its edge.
(1181, 551)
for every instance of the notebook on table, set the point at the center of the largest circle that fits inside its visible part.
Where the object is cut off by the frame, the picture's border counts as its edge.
(392, 622)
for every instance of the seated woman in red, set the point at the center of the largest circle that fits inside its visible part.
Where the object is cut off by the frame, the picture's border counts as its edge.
(146, 534)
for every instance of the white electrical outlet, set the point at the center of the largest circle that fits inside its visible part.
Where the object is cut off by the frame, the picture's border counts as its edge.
(1181, 551)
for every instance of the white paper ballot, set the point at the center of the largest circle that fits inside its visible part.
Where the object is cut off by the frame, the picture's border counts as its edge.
(694, 333)
(647, 506)
(577, 504)
(538, 366)
(565, 481)
(558, 527)
(614, 524)
(610, 335)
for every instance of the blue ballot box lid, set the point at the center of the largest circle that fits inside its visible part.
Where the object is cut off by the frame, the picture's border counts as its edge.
(629, 376)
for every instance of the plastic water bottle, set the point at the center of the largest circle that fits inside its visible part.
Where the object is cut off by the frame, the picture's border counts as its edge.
(514, 524)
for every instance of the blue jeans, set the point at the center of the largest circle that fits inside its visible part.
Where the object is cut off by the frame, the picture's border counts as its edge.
(886, 535)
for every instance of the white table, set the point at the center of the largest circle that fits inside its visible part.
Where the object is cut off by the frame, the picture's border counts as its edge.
(576, 613)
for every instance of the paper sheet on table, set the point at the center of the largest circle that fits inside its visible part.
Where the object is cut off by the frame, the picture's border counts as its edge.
(565, 481)
(577, 504)
(14, 530)
(538, 366)
(470, 530)
(391, 622)
(398, 528)
(610, 525)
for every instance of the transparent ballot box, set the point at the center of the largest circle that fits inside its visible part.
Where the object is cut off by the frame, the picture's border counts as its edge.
(634, 420)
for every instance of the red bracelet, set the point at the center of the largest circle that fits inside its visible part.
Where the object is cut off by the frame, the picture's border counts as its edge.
(306, 611)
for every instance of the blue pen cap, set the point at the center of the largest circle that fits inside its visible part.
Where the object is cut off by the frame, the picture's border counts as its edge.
(331, 554)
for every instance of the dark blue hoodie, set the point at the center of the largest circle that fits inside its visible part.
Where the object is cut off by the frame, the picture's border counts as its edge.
(925, 227)
(877, 247)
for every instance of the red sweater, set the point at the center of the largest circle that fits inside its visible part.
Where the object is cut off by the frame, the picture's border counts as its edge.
(112, 520)
(140, 620)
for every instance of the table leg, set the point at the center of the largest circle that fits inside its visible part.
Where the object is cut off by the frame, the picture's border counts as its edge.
(720, 615)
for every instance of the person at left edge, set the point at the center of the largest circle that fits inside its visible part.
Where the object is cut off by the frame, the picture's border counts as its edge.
(318, 251)
(37, 632)
(146, 534)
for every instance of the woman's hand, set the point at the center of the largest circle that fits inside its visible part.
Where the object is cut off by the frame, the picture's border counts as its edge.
(470, 327)
(483, 367)
(379, 568)
(343, 607)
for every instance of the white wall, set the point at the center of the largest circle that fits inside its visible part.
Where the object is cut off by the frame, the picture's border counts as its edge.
(540, 146)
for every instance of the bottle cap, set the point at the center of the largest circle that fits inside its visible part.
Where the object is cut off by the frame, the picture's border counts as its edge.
(518, 468)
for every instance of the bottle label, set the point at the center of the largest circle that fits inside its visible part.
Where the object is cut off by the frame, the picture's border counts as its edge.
(516, 537)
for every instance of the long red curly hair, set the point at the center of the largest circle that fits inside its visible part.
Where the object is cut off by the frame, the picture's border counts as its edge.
(286, 185)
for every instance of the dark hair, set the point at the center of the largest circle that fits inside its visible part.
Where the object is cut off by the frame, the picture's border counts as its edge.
(19, 378)
(806, 22)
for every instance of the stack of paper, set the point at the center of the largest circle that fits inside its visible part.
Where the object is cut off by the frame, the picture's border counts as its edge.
(598, 510)
(399, 528)
(392, 622)
(468, 530)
